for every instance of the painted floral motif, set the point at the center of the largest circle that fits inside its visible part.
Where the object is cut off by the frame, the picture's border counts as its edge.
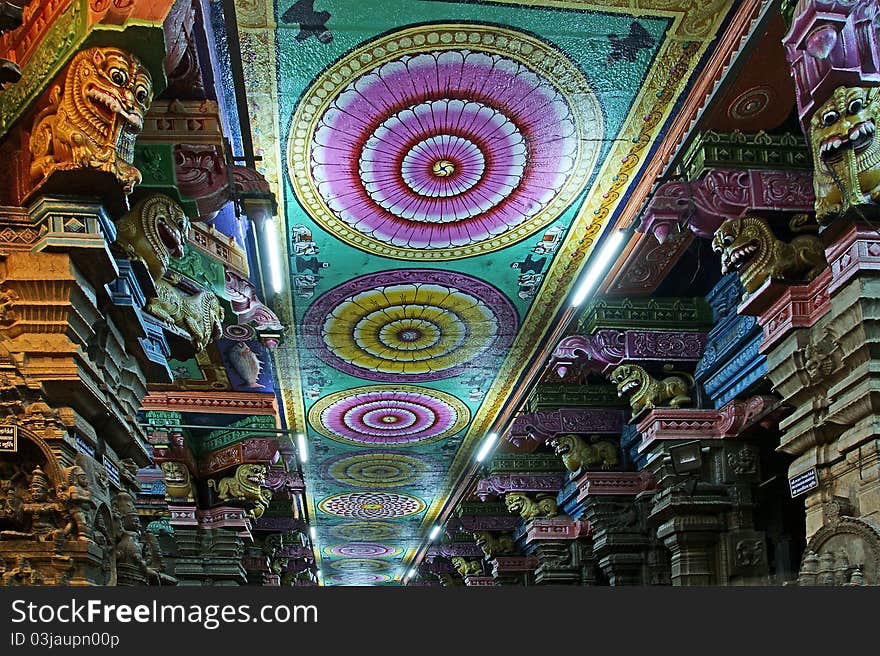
(363, 550)
(420, 324)
(404, 416)
(366, 505)
(441, 148)
(377, 469)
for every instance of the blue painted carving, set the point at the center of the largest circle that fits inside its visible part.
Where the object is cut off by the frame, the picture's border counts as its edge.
(156, 348)
(630, 438)
(731, 362)
(568, 500)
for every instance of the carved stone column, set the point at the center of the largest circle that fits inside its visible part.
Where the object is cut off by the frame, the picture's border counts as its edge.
(563, 550)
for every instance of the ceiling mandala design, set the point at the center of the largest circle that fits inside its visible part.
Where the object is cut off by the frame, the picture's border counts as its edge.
(444, 141)
(359, 565)
(349, 578)
(368, 505)
(365, 531)
(412, 324)
(376, 416)
(363, 550)
(377, 469)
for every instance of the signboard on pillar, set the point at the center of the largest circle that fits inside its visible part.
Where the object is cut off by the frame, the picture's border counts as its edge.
(804, 482)
(8, 438)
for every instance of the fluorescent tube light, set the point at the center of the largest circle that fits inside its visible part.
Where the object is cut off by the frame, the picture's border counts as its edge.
(273, 256)
(487, 445)
(301, 448)
(434, 533)
(610, 250)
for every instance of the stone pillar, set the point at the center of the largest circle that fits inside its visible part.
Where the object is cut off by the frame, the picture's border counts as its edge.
(563, 550)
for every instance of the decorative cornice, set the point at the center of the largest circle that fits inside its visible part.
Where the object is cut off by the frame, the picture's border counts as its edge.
(511, 564)
(216, 402)
(552, 397)
(254, 450)
(645, 313)
(499, 484)
(557, 528)
(525, 463)
(738, 150)
(688, 423)
(462, 549)
(607, 348)
(612, 483)
(782, 308)
(542, 426)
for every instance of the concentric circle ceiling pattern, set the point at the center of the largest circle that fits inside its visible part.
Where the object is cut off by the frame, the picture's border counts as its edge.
(412, 324)
(379, 416)
(440, 142)
(372, 505)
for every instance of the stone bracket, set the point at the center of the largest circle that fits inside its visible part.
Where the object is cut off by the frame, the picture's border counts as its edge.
(557, 528)
(542, 426)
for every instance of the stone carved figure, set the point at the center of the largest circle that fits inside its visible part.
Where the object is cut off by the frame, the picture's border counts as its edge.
(749, 247)
(153, 232)
(44, 513)
(246, 485)
(200, 315)
(577, 454)
(500, 544)
(80, 506)
(94, 117)
(467, 567)
(846, 154)
(647, 393)
(178, 482)
(543, 506)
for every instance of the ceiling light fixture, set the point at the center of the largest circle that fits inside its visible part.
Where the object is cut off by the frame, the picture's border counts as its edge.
(610, 250)
(435, 532)
(486, 447)
(313, 533)
(274, 255)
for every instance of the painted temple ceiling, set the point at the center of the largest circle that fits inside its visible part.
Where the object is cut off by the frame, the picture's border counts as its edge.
(443, 170)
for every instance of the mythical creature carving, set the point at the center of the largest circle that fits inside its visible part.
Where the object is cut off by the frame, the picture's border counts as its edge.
(467, 567)
(154, 231)
(178, 483)
(245, 485)
(577, 454)
(648, 393)
(495, 545)
(749, 247)
(198, 314)
(846, 154)
(543, 506)
(93, 119)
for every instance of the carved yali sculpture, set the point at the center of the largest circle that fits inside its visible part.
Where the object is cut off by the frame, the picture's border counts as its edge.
(93, 119)
(495, 545)
(577, 454)
(154, 231)
(749, 247)
(846, 154)
(646, 393)
(178, 482)
(467, 567)
(543, 506)
(246, 485)
(199, 315)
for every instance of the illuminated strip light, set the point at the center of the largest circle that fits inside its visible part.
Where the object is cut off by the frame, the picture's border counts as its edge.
(313, 533)
(274, 255)
(434, 533)
(301, 448)
(487, 445)
(411, 573)
(599, 266)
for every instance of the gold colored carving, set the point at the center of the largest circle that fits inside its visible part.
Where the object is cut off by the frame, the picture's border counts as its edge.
(543, 506)
(198, 314)
(467, 567)
(178, 482)
(749, 247)
(246, 485)
(846, 154)
(577, 454)
(495, 545)
(154, 231)
(93, 119)
(647, 392)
